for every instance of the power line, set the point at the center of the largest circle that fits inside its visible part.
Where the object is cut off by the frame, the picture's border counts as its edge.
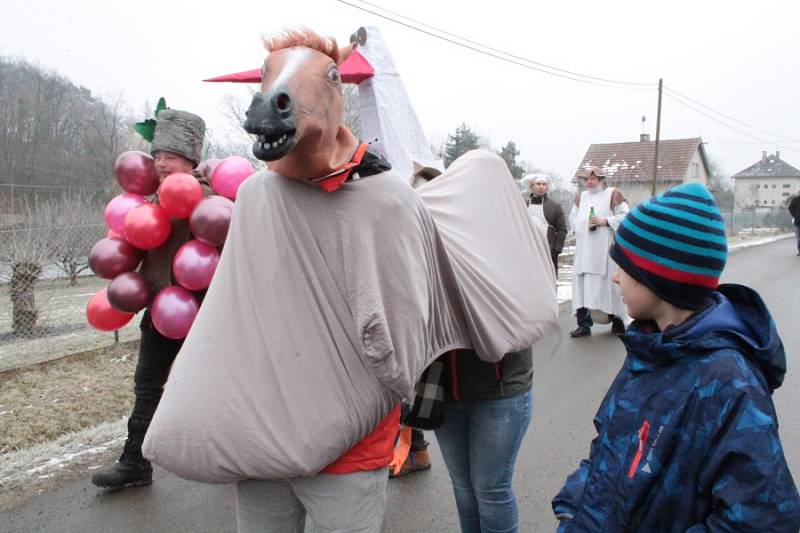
(731, 118)
(544, 65)
(511, 58)
(673, 97)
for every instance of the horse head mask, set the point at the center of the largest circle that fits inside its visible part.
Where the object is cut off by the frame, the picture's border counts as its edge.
(297, 115)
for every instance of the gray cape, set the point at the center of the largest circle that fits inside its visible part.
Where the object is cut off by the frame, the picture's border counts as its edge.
(326, 308)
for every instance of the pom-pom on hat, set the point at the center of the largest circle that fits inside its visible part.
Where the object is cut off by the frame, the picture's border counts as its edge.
(675, 245)
(179, 132)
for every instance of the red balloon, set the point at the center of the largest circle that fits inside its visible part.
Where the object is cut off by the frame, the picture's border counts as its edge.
(147, 226)
(229, 175)
(102, 316)
(211, 219)
(136, 172)
(118, 208)
(179, 194)
(194, 264)
(173, 310)
(130, 292)
(110, 257)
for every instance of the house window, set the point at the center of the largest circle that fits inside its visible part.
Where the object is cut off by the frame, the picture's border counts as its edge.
(774, 185)
(786, 194)
(695, 170)
(787, 186)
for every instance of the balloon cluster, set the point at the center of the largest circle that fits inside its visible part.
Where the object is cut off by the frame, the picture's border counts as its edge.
(136, 224)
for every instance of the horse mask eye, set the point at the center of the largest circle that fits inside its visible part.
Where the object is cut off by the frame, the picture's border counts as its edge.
(333, 74)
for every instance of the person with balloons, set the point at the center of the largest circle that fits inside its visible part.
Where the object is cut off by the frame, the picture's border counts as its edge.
(158, 254)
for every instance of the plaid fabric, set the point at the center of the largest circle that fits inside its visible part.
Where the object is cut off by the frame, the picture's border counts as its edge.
(428, 401)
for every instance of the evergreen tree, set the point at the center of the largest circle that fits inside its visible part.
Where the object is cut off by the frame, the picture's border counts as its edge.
(461, 142)
(509, 153)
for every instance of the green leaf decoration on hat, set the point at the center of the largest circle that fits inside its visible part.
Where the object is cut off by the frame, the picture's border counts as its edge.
(148, 128)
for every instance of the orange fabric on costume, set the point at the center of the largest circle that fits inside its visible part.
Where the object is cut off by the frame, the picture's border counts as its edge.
(376, 450)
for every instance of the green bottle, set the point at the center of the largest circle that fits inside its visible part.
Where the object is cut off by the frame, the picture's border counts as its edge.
(591, 216)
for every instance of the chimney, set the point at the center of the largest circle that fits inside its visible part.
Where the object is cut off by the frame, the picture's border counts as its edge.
(764, 155)
(777, 154)
(644, 138)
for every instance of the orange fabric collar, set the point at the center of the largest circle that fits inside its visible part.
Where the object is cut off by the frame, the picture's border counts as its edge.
(334, 180)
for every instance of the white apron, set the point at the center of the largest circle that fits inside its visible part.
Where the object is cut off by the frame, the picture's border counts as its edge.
(592, 286)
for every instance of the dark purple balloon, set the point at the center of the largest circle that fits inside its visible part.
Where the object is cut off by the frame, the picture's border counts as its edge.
(129, 292)
(173, 310)
(136, 173)
(206, 168)
(210, 220)
(194, 264)
(111, 257)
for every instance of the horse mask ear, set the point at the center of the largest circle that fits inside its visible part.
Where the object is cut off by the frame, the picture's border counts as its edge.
(344, 53)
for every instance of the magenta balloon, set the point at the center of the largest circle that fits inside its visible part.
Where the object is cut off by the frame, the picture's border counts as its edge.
(173, 311)
(194, 265)
(136, 172)
(210, 220)
(111, 257)
(147, 226)
(117, 209)
(229, 174)
(130, 292)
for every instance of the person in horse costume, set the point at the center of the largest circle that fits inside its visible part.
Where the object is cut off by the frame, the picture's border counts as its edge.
(337, 286)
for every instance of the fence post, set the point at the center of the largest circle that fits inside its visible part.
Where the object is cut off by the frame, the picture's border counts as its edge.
(116, 336)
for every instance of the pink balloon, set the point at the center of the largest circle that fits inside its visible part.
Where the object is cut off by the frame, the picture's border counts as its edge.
(229, 175)
(136, 172)
(194, 265)
(210, 220)
(130, 292)
(206, 168)
(118, 208)
(102, 316)
(111, 257)
(147, 226)
(173, 310)
(114, 235)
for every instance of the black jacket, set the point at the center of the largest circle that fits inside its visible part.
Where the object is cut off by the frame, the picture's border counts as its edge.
(469, 378)
(556, 222)
(794, 209)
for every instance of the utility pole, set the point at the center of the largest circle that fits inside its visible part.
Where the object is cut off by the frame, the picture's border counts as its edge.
(658, 135)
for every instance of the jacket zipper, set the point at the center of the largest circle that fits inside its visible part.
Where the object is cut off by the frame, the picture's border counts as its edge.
(642, 442)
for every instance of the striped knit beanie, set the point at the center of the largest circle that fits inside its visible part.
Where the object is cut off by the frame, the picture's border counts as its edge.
(675, 245)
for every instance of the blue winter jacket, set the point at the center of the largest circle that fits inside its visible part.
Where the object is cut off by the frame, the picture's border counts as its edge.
(687, 435)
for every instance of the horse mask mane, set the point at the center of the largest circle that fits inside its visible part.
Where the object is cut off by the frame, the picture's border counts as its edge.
(297, 116)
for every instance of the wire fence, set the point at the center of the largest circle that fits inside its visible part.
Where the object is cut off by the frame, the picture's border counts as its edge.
(45, 282)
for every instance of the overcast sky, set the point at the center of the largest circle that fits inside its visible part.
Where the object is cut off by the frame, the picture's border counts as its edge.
(738, 58)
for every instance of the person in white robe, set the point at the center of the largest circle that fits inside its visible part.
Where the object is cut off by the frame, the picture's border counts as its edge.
(595, 297)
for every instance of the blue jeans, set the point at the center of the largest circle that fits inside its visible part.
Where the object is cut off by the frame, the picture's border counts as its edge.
(479, 440)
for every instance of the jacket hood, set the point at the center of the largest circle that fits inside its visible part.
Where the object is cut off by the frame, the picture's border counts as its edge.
(736, 318)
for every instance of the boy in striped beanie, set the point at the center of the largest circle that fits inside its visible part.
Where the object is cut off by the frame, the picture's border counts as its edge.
(687, 434)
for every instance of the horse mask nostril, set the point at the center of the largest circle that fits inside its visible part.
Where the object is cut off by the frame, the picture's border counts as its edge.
(283, 102)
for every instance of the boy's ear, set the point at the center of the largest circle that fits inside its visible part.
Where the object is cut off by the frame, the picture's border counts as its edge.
(344, 53)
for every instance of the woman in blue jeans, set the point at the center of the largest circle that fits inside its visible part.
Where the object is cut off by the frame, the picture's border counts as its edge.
(487, 410)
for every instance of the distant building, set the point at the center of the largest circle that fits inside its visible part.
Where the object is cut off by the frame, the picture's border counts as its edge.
(629, 166)
(769, 183)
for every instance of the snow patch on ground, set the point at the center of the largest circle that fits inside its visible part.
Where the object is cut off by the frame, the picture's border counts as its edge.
(44, 460)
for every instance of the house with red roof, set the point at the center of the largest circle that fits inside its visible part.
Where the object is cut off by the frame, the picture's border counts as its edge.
(629, 166)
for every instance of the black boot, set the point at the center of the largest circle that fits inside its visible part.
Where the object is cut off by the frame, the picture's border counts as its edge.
(125, 473)
(617, 326)
(132, 469)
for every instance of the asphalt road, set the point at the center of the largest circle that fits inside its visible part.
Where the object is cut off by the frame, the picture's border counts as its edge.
(570, 380)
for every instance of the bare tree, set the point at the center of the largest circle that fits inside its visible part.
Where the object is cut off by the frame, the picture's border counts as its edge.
(25, 249)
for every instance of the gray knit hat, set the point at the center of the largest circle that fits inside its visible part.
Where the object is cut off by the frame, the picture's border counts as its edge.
(179, 132)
